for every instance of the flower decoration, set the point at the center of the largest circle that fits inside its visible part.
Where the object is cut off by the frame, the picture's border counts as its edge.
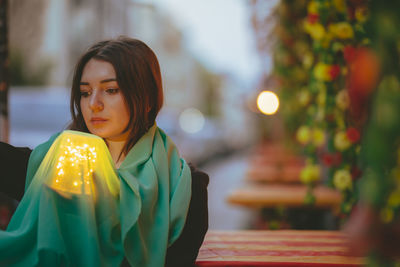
(323, 40)
(310, 173)
(341, 30)
(303, 135)
(361, 14)
(304, 97)
(340, 5)
(342, 180)
(341, 141)
(316, 30)
(332, 159)
(325, 72)
(333, 71)
(342, 100)
(318, 137)
(353, 135)
(338, 38)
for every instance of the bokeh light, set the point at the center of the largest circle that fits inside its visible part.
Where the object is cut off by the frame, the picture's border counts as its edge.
(191, 120)
(268, 102)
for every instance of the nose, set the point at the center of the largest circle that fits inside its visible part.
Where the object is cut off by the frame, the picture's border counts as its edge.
(96, 102)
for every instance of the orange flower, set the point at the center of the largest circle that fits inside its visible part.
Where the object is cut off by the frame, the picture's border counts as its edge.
(364, 71)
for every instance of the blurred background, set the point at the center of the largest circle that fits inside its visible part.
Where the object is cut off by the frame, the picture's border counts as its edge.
(291, 107)
(210, 64)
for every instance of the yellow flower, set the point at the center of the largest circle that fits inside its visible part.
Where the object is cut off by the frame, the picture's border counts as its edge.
(304, 97)
(321, 72)
(326, 41)
(340, 5)
(318, 137)
(316, 30)
(321, 98)
(320, 115)
(312, 7)
(303, 135)
(342, 99)
(342, 180)
(394, 199)
(386, 215)
(341, 141)
(361, 14)
(308, 59)
(342, 30)
(310, 173)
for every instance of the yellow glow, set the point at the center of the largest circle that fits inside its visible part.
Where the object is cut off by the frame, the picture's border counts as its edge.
(76, 171)
(268, 102)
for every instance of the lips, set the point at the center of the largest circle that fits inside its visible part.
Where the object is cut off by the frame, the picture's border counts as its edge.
(97, 120)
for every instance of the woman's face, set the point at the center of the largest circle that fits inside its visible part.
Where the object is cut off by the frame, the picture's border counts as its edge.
(102, 102)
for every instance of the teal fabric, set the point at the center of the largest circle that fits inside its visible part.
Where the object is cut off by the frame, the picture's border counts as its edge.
(147, 216)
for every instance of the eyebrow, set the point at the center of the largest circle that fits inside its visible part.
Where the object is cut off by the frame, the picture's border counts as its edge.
(102, 81)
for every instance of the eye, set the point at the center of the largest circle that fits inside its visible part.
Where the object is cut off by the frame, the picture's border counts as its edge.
(112, 91)
(85, 93)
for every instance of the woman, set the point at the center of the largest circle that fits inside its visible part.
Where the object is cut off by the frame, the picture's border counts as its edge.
(116, 95)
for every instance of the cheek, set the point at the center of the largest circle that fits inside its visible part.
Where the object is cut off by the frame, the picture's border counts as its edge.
(83, 106)
(122, 109)
(124, 114)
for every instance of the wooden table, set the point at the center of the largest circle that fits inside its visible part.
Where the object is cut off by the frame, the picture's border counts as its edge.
(276, 248)
(269, 173)
(287, 195)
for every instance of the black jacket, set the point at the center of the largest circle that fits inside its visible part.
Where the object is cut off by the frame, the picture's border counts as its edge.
(183, 252)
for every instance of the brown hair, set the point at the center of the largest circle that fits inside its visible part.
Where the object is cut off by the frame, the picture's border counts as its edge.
(138, 76)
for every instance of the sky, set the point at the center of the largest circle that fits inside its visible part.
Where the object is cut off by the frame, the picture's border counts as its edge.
(218, 32)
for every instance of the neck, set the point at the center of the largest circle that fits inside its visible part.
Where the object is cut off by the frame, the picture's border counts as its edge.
(115, 148)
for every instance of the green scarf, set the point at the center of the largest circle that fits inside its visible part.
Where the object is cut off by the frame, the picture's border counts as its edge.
(79, 211)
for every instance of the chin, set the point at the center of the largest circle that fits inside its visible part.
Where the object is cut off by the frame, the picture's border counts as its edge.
(99, 133)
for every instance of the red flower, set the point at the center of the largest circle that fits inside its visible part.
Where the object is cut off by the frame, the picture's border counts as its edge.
(332, 159)
(312, 18)
(349, 53)
(355, 172)
(327, 159)
(353, 134)
(351, 12)
(334, 71)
